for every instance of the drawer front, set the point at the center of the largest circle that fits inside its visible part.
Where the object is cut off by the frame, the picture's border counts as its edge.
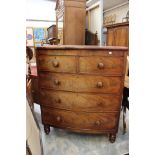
(79, 120)
(101, 65)
(80, 101)
(98, 84)
(57, 81)
(57, 63)
(81, 83)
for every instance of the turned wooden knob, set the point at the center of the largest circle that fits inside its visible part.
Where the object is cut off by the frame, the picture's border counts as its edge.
(55, 63)
(100, 103)
(100, 65)
(99, 84)
(57, 82)
(98, 123)
(58, 118)
(58, 100)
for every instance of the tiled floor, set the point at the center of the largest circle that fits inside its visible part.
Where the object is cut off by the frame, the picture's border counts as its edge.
(60, 142)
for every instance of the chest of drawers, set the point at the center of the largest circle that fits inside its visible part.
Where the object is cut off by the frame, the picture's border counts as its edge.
(80, 87)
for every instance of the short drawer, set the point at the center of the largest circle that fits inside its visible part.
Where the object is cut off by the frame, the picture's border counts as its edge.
(101, 65)
(80, 101)
(57, 81)
(98, 84)
(81, 83)
(79, 120)
(57, 63)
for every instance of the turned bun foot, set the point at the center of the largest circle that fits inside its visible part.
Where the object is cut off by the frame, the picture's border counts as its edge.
(112, 138)
(47, 129)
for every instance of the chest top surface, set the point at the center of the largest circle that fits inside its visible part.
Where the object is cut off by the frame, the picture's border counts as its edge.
(82, 47)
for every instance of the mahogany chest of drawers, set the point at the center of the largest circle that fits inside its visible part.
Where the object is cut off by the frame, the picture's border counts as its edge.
(80, 87)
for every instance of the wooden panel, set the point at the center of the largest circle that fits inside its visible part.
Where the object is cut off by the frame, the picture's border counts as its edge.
(81, 83)
(80, 101)
(35, 89)
(74, 14)
(110, 37)
(57, 63)
(79, 120)
(99, 65)
(75, 4)
(82, 52)
(74, 26)
(121, 36)
(79, 47)
(118, 34)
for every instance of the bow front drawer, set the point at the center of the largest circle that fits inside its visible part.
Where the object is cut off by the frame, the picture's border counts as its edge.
(80, 101)
(57, 63)
(79, 120)
(101, 65)
(80, 83)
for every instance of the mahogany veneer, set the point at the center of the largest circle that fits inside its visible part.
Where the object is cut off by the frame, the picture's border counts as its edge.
(80, 87)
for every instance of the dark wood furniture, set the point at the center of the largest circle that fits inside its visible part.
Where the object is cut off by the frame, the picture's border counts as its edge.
(118, 34)
(52, 35)
(52, 32)
(29, 93)
(72, 15)
(125, 101)
(80, 87)
(91, 38)
(35, 90)
(33, 76)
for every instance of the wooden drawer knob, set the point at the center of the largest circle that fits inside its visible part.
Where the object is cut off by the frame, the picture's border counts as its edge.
(55, 63)
(58, 118)
(99, 84)
(100, 65)
(57, 82)
(99, 104)
(58, 100)
(98, 123)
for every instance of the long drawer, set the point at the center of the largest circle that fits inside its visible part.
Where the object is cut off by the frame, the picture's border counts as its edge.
(80, 101)
(79, 120)
(57, 63)
(80, 83)
(99, 65)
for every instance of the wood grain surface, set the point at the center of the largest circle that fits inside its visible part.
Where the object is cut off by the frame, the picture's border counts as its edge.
(80, 87)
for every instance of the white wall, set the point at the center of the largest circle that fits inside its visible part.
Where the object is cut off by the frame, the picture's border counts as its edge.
(39, 24)
(40, 10)
(120, 12)
(94, 18)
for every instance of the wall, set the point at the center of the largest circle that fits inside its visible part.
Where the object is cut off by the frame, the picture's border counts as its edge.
(39, 24)
(40, 10)
(94, 18)
(120, 12)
